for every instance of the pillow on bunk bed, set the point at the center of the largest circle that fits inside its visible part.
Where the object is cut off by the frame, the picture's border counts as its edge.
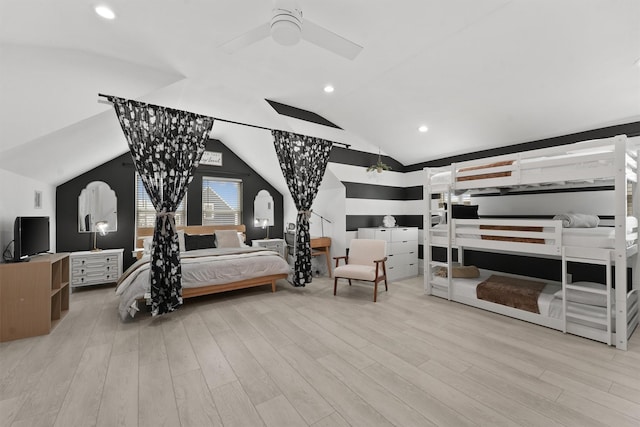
(577, 220)
(459, 272)
(588, 298)
(463, 211)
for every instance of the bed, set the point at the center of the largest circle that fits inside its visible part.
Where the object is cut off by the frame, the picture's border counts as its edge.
(586, 312)
(587, 161)
(205, 269)
(609, 162)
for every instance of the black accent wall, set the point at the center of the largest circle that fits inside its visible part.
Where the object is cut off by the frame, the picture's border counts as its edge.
(119, 173)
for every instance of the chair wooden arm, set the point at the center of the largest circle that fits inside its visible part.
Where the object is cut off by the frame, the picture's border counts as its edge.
(338, 258)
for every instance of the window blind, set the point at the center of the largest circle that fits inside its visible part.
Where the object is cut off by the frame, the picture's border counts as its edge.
(221, 201)
(146, 212)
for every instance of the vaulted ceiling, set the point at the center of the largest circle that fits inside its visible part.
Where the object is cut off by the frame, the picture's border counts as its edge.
(479, 73)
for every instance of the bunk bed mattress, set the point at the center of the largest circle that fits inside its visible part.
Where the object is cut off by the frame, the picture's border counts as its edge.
(203, 267)
(534, 166)
(596, 237)
(548, 304)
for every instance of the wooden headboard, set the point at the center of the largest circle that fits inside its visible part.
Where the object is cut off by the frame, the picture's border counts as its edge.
(143, 232)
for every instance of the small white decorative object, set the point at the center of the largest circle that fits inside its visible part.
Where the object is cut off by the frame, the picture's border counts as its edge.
(389, 221)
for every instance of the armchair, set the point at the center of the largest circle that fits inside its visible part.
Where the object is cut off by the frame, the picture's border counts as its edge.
(365, 262)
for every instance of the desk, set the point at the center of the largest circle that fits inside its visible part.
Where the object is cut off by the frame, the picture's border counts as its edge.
(320, 246)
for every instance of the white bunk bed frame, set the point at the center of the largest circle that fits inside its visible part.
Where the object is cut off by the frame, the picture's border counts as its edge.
(606, 161)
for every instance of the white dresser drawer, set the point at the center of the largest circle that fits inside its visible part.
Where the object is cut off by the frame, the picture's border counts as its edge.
(276, 245)
(404, 233)
(93, 268)
(402, 249)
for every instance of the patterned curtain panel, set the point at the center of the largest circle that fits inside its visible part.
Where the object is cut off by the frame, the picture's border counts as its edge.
(303, 160)
(166, 146)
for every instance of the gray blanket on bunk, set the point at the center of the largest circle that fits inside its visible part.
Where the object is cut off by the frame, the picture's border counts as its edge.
(577, 220)
(510, 291)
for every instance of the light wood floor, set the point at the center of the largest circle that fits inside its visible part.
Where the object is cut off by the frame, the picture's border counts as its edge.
(302, 357)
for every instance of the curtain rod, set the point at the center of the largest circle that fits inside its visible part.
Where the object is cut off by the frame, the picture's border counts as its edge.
(230, 121)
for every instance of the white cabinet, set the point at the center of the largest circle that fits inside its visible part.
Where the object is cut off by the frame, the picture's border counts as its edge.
(402, 249)
(94, 268)
(276, 245)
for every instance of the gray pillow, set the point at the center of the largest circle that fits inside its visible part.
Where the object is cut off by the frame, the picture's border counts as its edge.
(227, 239)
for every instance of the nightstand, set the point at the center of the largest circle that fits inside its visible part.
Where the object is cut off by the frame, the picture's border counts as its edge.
(276, 245)
(94, 268)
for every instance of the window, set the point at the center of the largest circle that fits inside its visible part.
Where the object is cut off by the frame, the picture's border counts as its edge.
(221, 201)
(146, 212)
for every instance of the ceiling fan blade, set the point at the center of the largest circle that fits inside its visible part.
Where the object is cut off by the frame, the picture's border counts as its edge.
(326, 39)
(250, 37)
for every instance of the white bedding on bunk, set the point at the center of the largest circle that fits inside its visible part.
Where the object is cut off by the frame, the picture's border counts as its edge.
(529, 165)
(596, 237)
(466, 288)
(549, 304)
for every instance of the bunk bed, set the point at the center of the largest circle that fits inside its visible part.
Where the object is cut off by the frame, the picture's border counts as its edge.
(606, 312)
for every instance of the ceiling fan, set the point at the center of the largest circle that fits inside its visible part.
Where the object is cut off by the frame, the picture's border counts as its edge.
(287, 27)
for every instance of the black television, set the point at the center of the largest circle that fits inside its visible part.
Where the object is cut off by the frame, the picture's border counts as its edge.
(30, 237)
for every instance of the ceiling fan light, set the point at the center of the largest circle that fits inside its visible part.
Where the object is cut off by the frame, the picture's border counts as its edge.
(105, 12)
(286, 27)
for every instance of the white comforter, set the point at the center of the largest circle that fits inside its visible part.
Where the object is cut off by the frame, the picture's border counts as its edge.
(199, 268)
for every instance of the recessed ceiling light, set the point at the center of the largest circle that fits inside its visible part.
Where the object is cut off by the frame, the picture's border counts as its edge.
(328, 89)
(105, 12)
(423, 129)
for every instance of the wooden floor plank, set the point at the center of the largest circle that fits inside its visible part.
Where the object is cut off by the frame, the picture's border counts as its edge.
(82, 402)
(279, 412)
(119, 405)
(301, 356)
(194, 401)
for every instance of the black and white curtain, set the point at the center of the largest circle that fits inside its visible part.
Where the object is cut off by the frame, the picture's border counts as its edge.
(303, 160)
(166, 146)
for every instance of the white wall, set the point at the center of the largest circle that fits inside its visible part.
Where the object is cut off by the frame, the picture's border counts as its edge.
(17, 199)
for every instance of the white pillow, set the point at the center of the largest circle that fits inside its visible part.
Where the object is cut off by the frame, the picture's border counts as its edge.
(227, 239)
(148, 241)
(241, 237)
(582, 297)
(146, 245)
(181, 243)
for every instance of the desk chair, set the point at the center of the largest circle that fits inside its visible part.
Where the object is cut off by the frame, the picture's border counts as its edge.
(365, 262)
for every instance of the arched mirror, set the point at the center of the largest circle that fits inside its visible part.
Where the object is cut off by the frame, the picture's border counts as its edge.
(263, 209)
(97, 204)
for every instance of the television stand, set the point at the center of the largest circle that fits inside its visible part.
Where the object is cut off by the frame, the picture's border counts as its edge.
(34, 295)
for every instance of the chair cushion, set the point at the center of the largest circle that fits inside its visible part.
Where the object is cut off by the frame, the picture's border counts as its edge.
(356, 272)
(365, 251)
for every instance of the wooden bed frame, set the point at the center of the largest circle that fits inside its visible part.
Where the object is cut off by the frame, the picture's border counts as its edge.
(143, 232)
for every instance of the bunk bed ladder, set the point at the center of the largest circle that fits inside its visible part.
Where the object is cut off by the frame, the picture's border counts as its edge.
(599, 257)
(431, 266)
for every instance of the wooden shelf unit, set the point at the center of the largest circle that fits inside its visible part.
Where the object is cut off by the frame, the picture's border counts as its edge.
(34, 295)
